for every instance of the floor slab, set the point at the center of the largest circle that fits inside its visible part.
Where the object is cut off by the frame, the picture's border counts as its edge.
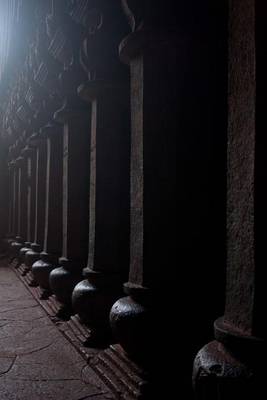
(36, 360)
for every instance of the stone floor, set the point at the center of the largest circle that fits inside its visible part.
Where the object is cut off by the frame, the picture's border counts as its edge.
(36, 360)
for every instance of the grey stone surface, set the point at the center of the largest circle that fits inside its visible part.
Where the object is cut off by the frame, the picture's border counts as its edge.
(36, 361)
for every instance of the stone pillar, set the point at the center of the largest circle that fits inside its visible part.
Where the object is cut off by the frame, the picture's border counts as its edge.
(6, 242)
(10, 199)
(4, 197)
(75, 115)
(40, 188)
(106, 91)
(12, 205)
(76, 144)
(233, 365)
(108, 259)
(29, 153)
(153, 138)
(21, 206)
(10, 162)
(40, 96)
(15, 198)
(16, 244)
(53, 208)
(22, 221)
(19, 193)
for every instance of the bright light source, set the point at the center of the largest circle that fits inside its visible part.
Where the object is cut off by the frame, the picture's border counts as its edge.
(7, 11)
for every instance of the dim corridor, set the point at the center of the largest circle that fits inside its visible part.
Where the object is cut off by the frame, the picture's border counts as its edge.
(36, 360)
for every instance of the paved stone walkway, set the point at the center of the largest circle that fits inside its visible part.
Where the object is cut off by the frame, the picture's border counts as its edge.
(36, 361)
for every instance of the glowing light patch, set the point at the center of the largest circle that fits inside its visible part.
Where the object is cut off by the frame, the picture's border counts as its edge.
(7, 13)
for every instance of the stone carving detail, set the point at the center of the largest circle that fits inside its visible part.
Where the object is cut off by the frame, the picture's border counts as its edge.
(134, 11)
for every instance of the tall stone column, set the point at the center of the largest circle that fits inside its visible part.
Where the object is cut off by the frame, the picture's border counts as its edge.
(76, 136)
(22, 224)
(75, 116)
(14, 200)
(233, 366)
(29, 153)
(20, 194)
(10, 199)
(108, 253)
(109, 201)
(40, 96)
(16, 244)
(15, 197)
(22, 207)
(148, 50)
(10, 194)
(53, 207)
(4, 197)
(40, 188)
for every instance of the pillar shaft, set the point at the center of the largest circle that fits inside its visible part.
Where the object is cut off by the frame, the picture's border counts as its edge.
(29, 153)
(15, 199)
(153, 137)
(39, 186)
(75, 203)
(246, 213)
(235, 361)
(108, 253)
(10, 199)
(107, 92)
(74, 115)
(41, 161)
(22, 228)
(31, 194)
(4, 197)
(21, 232)
(53, 204)
(76, 138)
(52, 247)
(109, 179)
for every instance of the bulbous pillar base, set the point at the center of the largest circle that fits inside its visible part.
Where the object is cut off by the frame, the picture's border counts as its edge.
(15, 247)
(23, 251)
(220, 375)
(31, 257)
(92, 300)
(131, 323)
(41, 270)
(62, 281)
(230, 367)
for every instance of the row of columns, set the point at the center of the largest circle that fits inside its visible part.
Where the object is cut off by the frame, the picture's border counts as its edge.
(102, 104)
(92, 176)
(85, 185)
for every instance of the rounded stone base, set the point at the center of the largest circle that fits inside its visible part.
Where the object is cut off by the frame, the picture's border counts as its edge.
(93, 302)
(131, 324)
(62, 282)
(41, 270)
(32, 255)
(219, 374)
(16, 246)
(23, 251)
